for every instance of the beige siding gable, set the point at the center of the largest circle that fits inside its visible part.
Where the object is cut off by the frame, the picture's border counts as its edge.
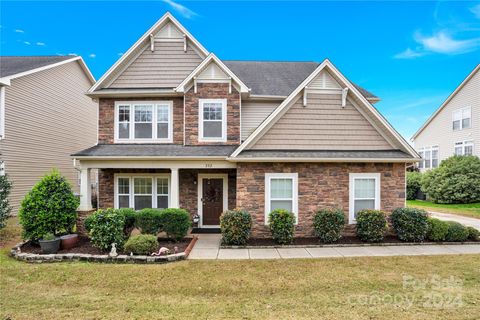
(322, 125)
(169, 31)
(165, 67)
(254, 113)
(213, 72)
(324, 80)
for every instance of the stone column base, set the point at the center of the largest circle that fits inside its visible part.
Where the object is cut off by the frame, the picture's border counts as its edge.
(81, 216)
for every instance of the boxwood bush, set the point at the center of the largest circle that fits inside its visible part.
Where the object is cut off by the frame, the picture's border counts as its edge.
(50, 207)
(175, 223)
(328, 224)
(437, 229)
(130, 217)
(410, 224)
(149, 221)
(5, 207)
(371, 225)
(235, 226)
(456, 180)
(457, 232)
(143, 244)
(105, 226)
(473, 234)
(282, 226)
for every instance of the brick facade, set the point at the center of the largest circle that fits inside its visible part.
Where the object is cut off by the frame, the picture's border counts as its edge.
(320, 185)
(106, 118)
(212, 91)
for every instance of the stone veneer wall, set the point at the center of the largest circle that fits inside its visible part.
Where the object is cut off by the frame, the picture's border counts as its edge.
(106, 118)
(188, 186)
(320, 185)
(212, 91)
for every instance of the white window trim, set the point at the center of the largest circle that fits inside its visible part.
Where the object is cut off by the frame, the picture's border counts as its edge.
(351, 187)
(268, 178)
(154, 138)
(131, 187)
(423, 160)
(201, 102)
(461, 110)
(463, 144)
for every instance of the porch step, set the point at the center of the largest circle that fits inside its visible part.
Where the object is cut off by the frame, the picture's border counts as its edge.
(205, 230)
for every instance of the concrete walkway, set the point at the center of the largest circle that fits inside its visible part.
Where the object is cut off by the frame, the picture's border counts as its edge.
(208, 247)
(472, 222)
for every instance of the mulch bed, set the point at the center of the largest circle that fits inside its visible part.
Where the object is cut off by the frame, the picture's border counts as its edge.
(85, 246)
(316, 241)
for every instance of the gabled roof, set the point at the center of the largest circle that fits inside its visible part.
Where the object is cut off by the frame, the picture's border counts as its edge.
(212, 58)
(280, 110)
(277, 78)
(12, 67)
(450, 97)
(131, 53)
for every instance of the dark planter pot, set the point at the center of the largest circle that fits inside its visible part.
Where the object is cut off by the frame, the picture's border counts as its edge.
(69, 241)
(50, 246)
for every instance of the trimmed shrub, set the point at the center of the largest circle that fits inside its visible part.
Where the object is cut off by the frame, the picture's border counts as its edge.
(473, 234)
(457, 232)
(282, 226)
(329, 224)
(149, 221)
(5, 207)
(456, 180)
(106, 227)
(414, 180)
(175, 223)
(371, 225)
(437, 229)
(235, 225)
(130, 216)
(50, 207)
(143, 244)
(410, 224)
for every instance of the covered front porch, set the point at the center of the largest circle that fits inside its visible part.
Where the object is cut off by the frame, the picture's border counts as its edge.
(204, 188)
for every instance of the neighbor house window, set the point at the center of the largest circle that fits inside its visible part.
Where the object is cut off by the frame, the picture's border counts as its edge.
(364, 193)
(434, 157)
(212, 120)
(462, 118)
(281, 192)
(464, 148)
(139, 192)
(2, 168)
(429, 157)
(422, 155)
(143, 122)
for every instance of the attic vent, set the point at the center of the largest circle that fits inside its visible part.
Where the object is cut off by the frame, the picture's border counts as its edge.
(324, 81)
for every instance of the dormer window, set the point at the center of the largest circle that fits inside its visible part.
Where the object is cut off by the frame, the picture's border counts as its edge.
(146, 121)
(212, 120)
(462, 119)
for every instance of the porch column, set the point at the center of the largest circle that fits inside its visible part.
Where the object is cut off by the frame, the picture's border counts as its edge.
(85, 190)
(174, 193)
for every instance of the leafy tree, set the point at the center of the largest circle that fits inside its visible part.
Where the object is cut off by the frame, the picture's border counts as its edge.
(5, 208)
(413, 184)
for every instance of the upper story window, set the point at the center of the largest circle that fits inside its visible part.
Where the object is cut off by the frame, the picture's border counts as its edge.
(429, 157)
(464, 148)
(212, 120)
(143, 121)
(462, 118)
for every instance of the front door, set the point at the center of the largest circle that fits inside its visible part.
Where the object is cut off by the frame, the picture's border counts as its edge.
(212, 201)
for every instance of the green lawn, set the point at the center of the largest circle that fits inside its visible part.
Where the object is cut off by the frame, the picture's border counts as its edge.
(468, 210)
(356, 288)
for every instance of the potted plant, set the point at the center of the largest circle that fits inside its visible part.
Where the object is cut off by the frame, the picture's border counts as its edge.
(49, 243)
(69, 241)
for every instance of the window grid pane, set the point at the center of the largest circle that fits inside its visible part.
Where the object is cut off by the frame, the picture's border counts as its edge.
(162, 186)
(281, 188)
(364, 188)
(142, 185)
(123, 186)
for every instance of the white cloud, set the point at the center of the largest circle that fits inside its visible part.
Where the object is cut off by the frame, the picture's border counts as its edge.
(92, 55)
(441, 42)
(476, 10)
(120, 54)
(73, 54)
(184, 11)
(19, 31)
(40, 44)
(409, 54)
(27, 43)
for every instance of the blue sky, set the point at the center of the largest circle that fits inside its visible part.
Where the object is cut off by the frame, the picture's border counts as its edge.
(410, 54)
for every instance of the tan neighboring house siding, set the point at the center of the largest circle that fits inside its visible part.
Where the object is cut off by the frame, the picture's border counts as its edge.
(165, 67)
(254, 113)
(47, 118)
(439, 132)
(322, 125)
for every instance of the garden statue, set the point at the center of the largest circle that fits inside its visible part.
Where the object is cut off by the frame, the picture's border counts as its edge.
(175, 249)
(113, 253)
(162, 251)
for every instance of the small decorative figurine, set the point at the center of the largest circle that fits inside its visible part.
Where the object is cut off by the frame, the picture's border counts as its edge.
(113, 252)
(162, 251)
(175, 249)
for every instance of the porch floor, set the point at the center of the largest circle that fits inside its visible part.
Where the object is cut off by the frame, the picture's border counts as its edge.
(208, 247)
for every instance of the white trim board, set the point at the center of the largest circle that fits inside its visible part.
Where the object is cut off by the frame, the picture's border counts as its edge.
(201, 138)
(201, 176)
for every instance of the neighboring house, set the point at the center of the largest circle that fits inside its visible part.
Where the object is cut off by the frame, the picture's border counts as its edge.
(44, 117)
(179, 127)
(454, 128)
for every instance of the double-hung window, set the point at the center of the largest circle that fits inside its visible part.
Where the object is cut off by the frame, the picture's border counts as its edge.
(462, 118)
(281, 192)
(143, 121)
(212, 120)
(429, 157)
(422, 155)
(139, 191)
(464, 148)
(364, 193)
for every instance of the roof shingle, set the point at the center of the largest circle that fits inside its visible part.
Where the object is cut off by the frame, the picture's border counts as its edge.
(10, 65)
